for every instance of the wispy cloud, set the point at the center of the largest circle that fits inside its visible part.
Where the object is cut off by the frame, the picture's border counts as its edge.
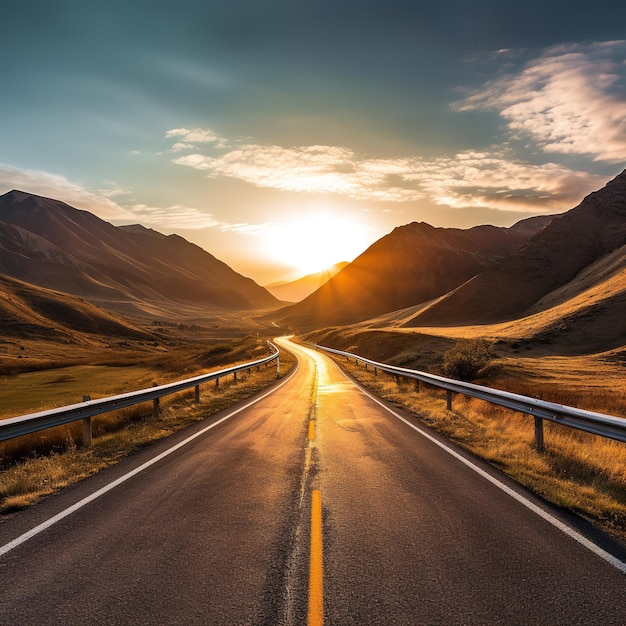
(494, 179)
(59, 188)
(497, 180)
(99, 203)
(188, 138)
(174, 217)
(570, 100)
(244, 228)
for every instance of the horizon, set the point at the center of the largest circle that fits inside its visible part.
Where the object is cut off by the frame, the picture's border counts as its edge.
(261, 134)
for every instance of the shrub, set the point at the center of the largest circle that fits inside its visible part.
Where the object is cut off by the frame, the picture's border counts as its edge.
(467, 359)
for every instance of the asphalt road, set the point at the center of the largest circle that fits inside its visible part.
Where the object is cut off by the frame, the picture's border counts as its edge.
(312, 505)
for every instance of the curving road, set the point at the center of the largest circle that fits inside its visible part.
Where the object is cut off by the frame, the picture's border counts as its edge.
(313, 504)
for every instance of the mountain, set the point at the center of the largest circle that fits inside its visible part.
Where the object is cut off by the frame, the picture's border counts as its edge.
(414, 263)
(127, 268)
(31, 312)
(299, 289)
(551, 260)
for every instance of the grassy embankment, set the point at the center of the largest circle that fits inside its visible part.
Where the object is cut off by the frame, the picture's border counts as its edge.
(37, 465)
(579, 471)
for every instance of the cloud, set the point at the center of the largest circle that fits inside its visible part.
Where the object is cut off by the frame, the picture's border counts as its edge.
(59, 188)
(493, 179)
(174, 217)
(570, 100)
(244, 228)
(99, 202)
(190, 137)
(497, 180)
(316, 169)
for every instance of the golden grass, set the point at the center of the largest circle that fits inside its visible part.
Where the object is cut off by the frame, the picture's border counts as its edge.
(583, 472)
(116, 435)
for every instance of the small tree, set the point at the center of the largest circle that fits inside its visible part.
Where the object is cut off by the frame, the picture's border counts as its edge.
(467, 358)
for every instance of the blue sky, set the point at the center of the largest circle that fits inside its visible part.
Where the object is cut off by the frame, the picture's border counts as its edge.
(281, 134)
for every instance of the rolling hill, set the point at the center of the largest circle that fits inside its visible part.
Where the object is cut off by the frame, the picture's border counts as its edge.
(127, 268)
(31, 312)
(414, 263)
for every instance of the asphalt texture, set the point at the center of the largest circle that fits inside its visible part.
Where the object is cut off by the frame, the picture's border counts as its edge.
(218, 530)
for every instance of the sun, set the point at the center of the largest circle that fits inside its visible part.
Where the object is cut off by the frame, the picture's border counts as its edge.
(314, 243)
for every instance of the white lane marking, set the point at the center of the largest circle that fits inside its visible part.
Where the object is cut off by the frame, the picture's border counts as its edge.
(81, 503)
(570, 532)
(564, 528)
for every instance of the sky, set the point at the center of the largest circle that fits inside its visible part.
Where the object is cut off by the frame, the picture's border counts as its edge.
(285, 135)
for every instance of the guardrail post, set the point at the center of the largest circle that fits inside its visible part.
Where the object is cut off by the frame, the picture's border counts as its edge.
(448, 400)
(87, 432)
(539, 434)
(278, 367)
(366, 367)
(375, 371)
(417, 385)
(155, 405)
(217, 381)
(197, 398)
(235, 376)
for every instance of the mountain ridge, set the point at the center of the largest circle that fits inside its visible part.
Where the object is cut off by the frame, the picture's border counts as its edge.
(51, 244)
(297, 290)
(549, 260)
(414, 263)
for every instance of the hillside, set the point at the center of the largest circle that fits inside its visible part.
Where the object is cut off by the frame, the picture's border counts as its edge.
(128, 268)
(549, 261)
(297, 290)
(31, 312)
(412, 264)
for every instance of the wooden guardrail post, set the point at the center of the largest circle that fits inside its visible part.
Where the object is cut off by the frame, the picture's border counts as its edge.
(87, 431)
(448, 400)
(155, 405)
(417, 385)
(539, 434)
(197, 398)
(278, 367)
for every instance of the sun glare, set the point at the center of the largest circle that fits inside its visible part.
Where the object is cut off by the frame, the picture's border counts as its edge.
(315, 243)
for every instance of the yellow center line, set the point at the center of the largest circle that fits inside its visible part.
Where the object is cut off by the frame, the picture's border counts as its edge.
(316, 583)
(311, 430)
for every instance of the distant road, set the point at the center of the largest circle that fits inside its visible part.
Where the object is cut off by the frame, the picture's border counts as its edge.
(312, 505)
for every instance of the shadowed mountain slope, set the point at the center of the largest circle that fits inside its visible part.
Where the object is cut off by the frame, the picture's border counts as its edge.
(28, 311)
(131, 268)
(412, 264)
(549, 261)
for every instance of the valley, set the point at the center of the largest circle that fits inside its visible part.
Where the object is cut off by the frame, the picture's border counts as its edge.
(554, 320)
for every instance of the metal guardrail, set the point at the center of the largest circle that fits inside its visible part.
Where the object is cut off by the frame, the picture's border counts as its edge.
(580, 419)
(26, 424)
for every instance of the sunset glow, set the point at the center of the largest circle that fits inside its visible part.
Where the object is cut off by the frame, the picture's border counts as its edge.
(315, 243)
(231, 127)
